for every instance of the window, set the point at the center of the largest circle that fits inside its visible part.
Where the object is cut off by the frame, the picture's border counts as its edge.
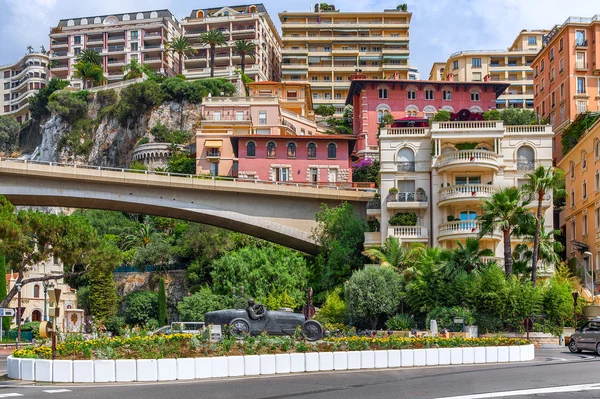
(474, 96)
(412, 94)
(77, 50)
(455, 65)
(77, 39)
(551, 54)
(552, 74)
(326, 48)
(339, 78)
(583, 160)
(271, 149)
(36, 291)
(561, 65)
(312, 150)
(580, 60)
(462, 180)
(291, 150)
(314, 175)
(525, 158)
(532, 40)
(251, 149)
(597, 214)
(597, 149)
(580, 38)
(476, 77)
(262, 117)
(134, 47)
(561, 44)
(573, 235)
(476, 62)
(281, 174)
(572, 169)
(584, 190)
(327, 96)
(562, 91)
(542, 66)
(134, 35)
(239, 115)
(315, 96)
(572, 198)
(326, 78)
(331, 151)
(429, 94)
(315, 79)
(597, 181)
(383, 93)
(580, 85)
(584, 223)
(332, 175)
(447, 95)
(217, 116)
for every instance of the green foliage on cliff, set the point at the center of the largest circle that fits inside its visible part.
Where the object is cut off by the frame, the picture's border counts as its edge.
(39, 101)
(70, 105)
(9, 134)
(576, 129)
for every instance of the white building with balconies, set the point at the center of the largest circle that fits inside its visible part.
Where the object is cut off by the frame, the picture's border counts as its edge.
(441, 173)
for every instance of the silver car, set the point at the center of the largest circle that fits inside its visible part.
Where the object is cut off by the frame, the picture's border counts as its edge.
(587, 338)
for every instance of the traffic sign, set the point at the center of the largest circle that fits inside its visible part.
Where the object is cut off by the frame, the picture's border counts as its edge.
(7, 312)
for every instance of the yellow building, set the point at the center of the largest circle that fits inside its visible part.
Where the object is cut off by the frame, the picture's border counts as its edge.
(326, 46)
(512, 65)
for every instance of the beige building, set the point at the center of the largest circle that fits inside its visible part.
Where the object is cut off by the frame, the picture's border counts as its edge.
(21, 80)
(325, 47)
(119, 38)
(512, 65)
(249, 22)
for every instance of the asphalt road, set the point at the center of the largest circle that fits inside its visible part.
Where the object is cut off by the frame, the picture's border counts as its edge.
(555, 373)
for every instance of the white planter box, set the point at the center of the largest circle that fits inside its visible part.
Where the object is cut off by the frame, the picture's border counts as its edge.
(252, 365)
(14, 367)
(282, 363)
(235, 366)
(83, 371)
(28, 369)
(394, 358)
(62, 371)
(353, 360)
(432, 357)
(186, 369)
(203, 367)
(167, 369)
(104, 371)
(531, 352)
(125, 370)
(420, 358)
(502, 354)
(267, 364)
(325, 361)
(43, 370)
(514, 354)
(491, 354)
(456, 356)
(468, 355)
(297, 363)
(220, 367)
(407, 358)
(444, 356)
(381, 359)
(312, 361)
(367, 359)
(340, 360)
(147, 370)
(479, 354)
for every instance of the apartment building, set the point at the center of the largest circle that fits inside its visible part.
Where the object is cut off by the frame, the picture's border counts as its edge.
(442, 171)
(119, 38)
(21, 80)
(249, 22)
(414, 74)
(511, 65)
(566, 74)
(581, 215)
(325, 47)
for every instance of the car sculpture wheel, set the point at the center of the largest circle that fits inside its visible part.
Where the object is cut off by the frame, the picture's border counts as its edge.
(239, 327)
(312, 330)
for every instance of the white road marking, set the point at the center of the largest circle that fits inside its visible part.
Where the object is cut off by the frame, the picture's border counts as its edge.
(526, 392)
(57, 390)
(10, 395)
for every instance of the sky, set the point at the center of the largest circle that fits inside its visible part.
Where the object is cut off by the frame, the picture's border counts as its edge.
(438, 28)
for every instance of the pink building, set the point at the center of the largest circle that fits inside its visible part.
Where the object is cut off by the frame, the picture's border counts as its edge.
(421, 99)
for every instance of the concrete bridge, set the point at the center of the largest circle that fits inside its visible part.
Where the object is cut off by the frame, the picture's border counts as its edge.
(283, 213)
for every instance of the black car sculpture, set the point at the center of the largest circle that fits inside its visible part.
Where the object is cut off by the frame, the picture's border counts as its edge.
(273, 322)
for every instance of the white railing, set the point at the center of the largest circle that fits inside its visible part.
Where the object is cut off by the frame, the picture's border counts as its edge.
(467, 125)
(116, 84)
(467, 156)
(372, 238)
(405, 131)
(259, 99)
(460, 227)
(467, 191)
(408, 232)
(529, 129)
(489, 259)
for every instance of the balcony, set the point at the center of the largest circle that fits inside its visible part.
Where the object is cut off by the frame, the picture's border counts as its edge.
(581, 43)
(95, 40)
(112, 49)
(374, 207)
(242, 119)
(465, 193)
(473, 160)
(463, 229)
(409, 233)
(410, 200)
(372, 239)
(581, 66)
(405, 132)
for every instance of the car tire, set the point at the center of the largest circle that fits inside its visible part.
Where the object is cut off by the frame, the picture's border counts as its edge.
(239, 327)
(598, 349)
(573, 347)
(312, 330)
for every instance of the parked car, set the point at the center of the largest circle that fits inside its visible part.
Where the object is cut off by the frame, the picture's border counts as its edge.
(180, 327)
(587, 338)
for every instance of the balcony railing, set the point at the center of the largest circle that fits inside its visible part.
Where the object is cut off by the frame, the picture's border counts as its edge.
(581, 43)
(411, 233)
(407, 197)
(467, 191)
(525, 165)
(374, 204)
(213, 153)
(116, 48)
(467, 125)
(207, 117)
(460, 227)
(465, 157)
(405, 131)
(493, 259)
(406, 166)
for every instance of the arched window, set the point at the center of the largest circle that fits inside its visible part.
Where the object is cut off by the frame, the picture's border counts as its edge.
(251, 149)
(36, 291)
(572, 170)
(271, 149)
(406, 160)
(36, 315)
(525, 158)
(583, 160)
(312, 150)
(291, 150)
(597, 149)
(584, 190)
(331, 151)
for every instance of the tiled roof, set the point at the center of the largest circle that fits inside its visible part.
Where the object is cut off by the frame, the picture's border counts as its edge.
(132, 15)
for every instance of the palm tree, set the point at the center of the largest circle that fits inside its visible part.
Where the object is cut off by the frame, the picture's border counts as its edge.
(135, 70)
(179, 45)
(505, 211)
(90, 56)
(213, 38)
(89, 73)
(466, 258)
(541, 181)
(141, 237)
(393, 254)
(244, 48)
(30, 49)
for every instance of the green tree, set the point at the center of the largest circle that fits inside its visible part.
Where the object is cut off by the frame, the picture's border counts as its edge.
(90, 73)
(541, 182)
(441, 116)
(9, 134)
(162, 303)
(334, 308)
(505, 211)
(492, 115)
(179, 45)
(325, 110)
(90, 56)
(142, 236)
(244, 48)
(71, 106)
(393, 254)
(373, 294)
(102, 292)
(194, 307)
(140, 306)
(5, 320)
(213, 38)
(39, 101)
(466, 258)
(386, 119)
(135, 70)
(516, 116)
(181, 163)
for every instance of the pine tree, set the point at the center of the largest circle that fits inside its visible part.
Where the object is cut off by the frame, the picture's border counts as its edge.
(103, 295)
(5, 320)
(162, 303)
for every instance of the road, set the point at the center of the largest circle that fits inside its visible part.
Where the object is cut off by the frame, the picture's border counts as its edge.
(555, 373)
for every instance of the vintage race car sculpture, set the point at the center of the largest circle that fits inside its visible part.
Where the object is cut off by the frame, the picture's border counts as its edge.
(273, 322)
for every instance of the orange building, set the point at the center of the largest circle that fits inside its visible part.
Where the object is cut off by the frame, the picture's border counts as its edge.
(566, 74)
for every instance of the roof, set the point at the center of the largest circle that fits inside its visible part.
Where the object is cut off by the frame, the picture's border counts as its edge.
(161, 14)
(208, 11)
(10, 276)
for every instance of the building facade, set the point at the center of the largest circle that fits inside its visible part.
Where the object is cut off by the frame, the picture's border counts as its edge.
(249, 22)
(119, 38)
(327, 46)
(512, 65)
(21, 80)
(566, 74)
(581, 215)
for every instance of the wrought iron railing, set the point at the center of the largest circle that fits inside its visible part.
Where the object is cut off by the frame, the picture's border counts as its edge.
(406, 166)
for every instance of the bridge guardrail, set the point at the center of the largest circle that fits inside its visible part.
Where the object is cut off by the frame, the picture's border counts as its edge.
(328, 186)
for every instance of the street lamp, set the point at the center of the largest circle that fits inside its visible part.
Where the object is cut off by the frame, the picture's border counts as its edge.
(18, 284)
(46, 284)
(591, 264)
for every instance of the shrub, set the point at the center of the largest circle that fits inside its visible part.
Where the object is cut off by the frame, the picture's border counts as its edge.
(404, 219)
(442, 116)
(334, 308)
(400, 322)
(444, 316)
(194, 307)
(115, 324)
(137, 99)
(162, 134)
(106, 97)
(39, 101)
(140, 306)
(366, 170)
(181, 163)
(487, 323)
(9, 134)
(325, 110)
(71, 106)
(137, 165)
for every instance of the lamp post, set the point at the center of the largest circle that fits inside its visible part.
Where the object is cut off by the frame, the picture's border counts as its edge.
(591, 264)
(46, 285)
(18, 284)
